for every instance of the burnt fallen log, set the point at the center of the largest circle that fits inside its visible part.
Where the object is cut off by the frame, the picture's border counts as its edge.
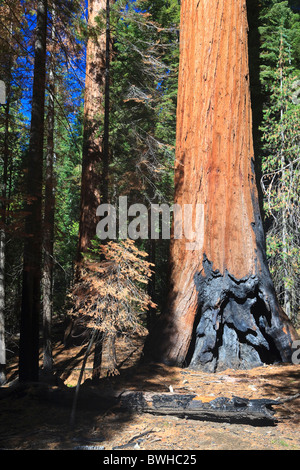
(192, 406)
(221, 409)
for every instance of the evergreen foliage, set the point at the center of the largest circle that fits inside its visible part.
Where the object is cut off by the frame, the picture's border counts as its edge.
(280, 75)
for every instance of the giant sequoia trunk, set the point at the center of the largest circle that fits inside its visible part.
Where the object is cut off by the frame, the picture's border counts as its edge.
(222, 309)
(94, 161)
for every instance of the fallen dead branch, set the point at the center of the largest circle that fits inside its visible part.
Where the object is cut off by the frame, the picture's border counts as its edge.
(287, 399)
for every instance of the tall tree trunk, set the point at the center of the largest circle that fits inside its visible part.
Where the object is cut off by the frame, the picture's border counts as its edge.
(2, 309)
(151, 312)
(31, 289)
(92, 158)
(95, 160)
(105, 167)
(48, 232)
(2, 232)
(222, 308)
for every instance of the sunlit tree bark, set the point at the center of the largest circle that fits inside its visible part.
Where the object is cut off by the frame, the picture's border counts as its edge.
(222, 309)
(95, 159)
(93, 164)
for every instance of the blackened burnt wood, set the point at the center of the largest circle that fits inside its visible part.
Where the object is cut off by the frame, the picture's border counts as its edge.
(232, 410)
(191, 406)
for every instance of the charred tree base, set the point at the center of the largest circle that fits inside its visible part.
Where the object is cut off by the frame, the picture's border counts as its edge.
(239, 325)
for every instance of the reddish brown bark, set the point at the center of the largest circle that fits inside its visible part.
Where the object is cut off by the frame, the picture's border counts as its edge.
(222, 309)
(95, 159)
(92, 160)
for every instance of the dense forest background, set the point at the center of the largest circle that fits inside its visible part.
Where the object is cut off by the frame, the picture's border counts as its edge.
(141, 120)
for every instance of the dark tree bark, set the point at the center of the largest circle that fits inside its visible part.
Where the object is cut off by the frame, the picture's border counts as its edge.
(221, 409)
(31, 290)
(2, 309)
(151, 312)
(2, 230)
(49, 213)
(222, 308)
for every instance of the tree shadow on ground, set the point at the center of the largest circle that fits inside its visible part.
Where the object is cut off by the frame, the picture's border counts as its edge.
(39, 418)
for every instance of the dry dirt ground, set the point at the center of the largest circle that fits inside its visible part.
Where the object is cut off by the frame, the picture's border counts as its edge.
(30, 422)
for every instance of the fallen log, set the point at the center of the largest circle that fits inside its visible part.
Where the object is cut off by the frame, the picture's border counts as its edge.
(192, 406)
(232, 410)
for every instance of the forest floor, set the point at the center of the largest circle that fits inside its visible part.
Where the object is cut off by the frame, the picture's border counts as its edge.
(30, 422)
